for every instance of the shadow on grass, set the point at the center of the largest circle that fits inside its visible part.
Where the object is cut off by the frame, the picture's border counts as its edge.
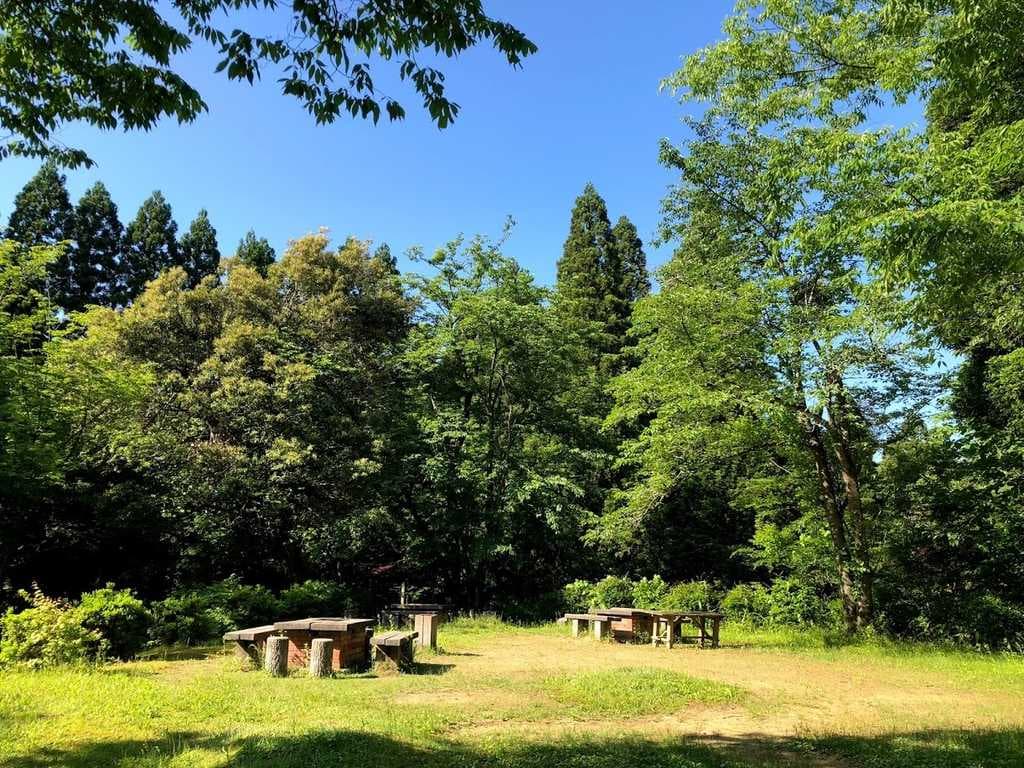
(428, 668)
(338, 748)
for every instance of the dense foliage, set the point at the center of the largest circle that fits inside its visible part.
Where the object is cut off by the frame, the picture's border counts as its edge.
(818, 416)
(109, 63)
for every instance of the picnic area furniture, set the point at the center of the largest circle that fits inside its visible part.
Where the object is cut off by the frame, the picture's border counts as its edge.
(350, 639)
(627, 625)
(424, 618)
(275, 660)
(394, 648)
(425, 626)
(582, 622)
(666, 624)
(250, 643)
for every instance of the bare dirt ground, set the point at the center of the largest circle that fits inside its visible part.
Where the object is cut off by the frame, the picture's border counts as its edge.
(790, 694)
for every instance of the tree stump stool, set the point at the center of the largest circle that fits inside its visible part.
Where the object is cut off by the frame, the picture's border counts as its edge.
(321, 652)
(275, 659)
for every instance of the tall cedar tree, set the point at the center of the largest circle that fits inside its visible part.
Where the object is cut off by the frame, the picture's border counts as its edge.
(636, 283)
(601, 272)
(255, 252)
(43, 215)
(96, 255)
(151, 246)
(198, 249)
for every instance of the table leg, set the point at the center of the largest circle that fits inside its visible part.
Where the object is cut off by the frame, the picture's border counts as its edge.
(702, 625)
(671, 623)
(714, 631)
(655, 628)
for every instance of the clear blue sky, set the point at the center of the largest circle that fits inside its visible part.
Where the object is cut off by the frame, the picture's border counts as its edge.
(586, 107)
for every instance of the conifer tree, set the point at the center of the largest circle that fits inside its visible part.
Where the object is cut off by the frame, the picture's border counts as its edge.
(383, 255)
(636, 283)
(96, 254)
(151, 245)
(198, 249)
(42, 210)
(581, 281)
(255, 252)
(43, 215)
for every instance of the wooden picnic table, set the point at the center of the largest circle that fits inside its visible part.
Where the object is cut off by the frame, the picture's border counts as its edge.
(666, 622)
(661, 625)
(351, 638)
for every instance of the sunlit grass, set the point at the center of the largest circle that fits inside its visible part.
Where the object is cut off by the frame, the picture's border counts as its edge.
(631, 692)
(498, 695)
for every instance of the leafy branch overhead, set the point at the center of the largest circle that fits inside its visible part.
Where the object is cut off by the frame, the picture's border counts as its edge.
(109, 63)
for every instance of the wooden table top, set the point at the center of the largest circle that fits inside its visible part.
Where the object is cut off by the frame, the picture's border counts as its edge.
(324, 624)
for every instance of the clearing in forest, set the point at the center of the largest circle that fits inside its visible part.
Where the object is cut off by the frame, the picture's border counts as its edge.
(497, 695)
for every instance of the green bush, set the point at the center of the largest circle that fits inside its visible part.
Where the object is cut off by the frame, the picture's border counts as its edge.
(118, 617)
(692, 596)
(793, 603)
(186, 619)
(46, 634)
(650, 593)
(613, 591)
(578, 596)
(243, 605)
(749, 602)
(314, 598)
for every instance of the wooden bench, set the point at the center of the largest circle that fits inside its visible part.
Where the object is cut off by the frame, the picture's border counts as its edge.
(394, 648)
(249, 643)
(599, 623)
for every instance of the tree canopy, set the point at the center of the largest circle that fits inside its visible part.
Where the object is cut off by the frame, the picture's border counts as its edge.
(111, 63)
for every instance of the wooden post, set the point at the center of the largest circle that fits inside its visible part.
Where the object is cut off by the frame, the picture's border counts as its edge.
(714, 631)
(600, 628)
(425, 625)
(276, 657)
(321, 652)
(577, 627)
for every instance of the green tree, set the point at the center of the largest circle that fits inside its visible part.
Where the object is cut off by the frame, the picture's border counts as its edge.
(587, 269)
(96, 254)
(263, 441)
(198, 249)
(29, 453)
(498, 509)
(108, 63)
(255, 253)
(150, 247)
(43, 215)
(384, 256)
(636, 282)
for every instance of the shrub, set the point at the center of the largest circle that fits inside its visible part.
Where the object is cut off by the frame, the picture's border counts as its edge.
(691, 596)
(612, 591)
(791, 602)
(650, 593)
(578, 596)
(46, 634)
(186, 619)
(116, 616)
(314, 598)
(242, 605)
(750, 602)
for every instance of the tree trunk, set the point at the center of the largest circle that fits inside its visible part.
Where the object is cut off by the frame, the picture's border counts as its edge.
(815, 444)
(275, 659)
(321, 654)
(851, 475)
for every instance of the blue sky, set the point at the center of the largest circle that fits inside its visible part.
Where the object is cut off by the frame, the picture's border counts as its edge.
(586, 107)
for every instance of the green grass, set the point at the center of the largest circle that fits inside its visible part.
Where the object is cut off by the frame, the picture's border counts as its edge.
(501, 696)
(633, 692)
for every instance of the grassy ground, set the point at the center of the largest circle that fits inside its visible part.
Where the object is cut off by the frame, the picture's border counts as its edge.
(505, 696)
